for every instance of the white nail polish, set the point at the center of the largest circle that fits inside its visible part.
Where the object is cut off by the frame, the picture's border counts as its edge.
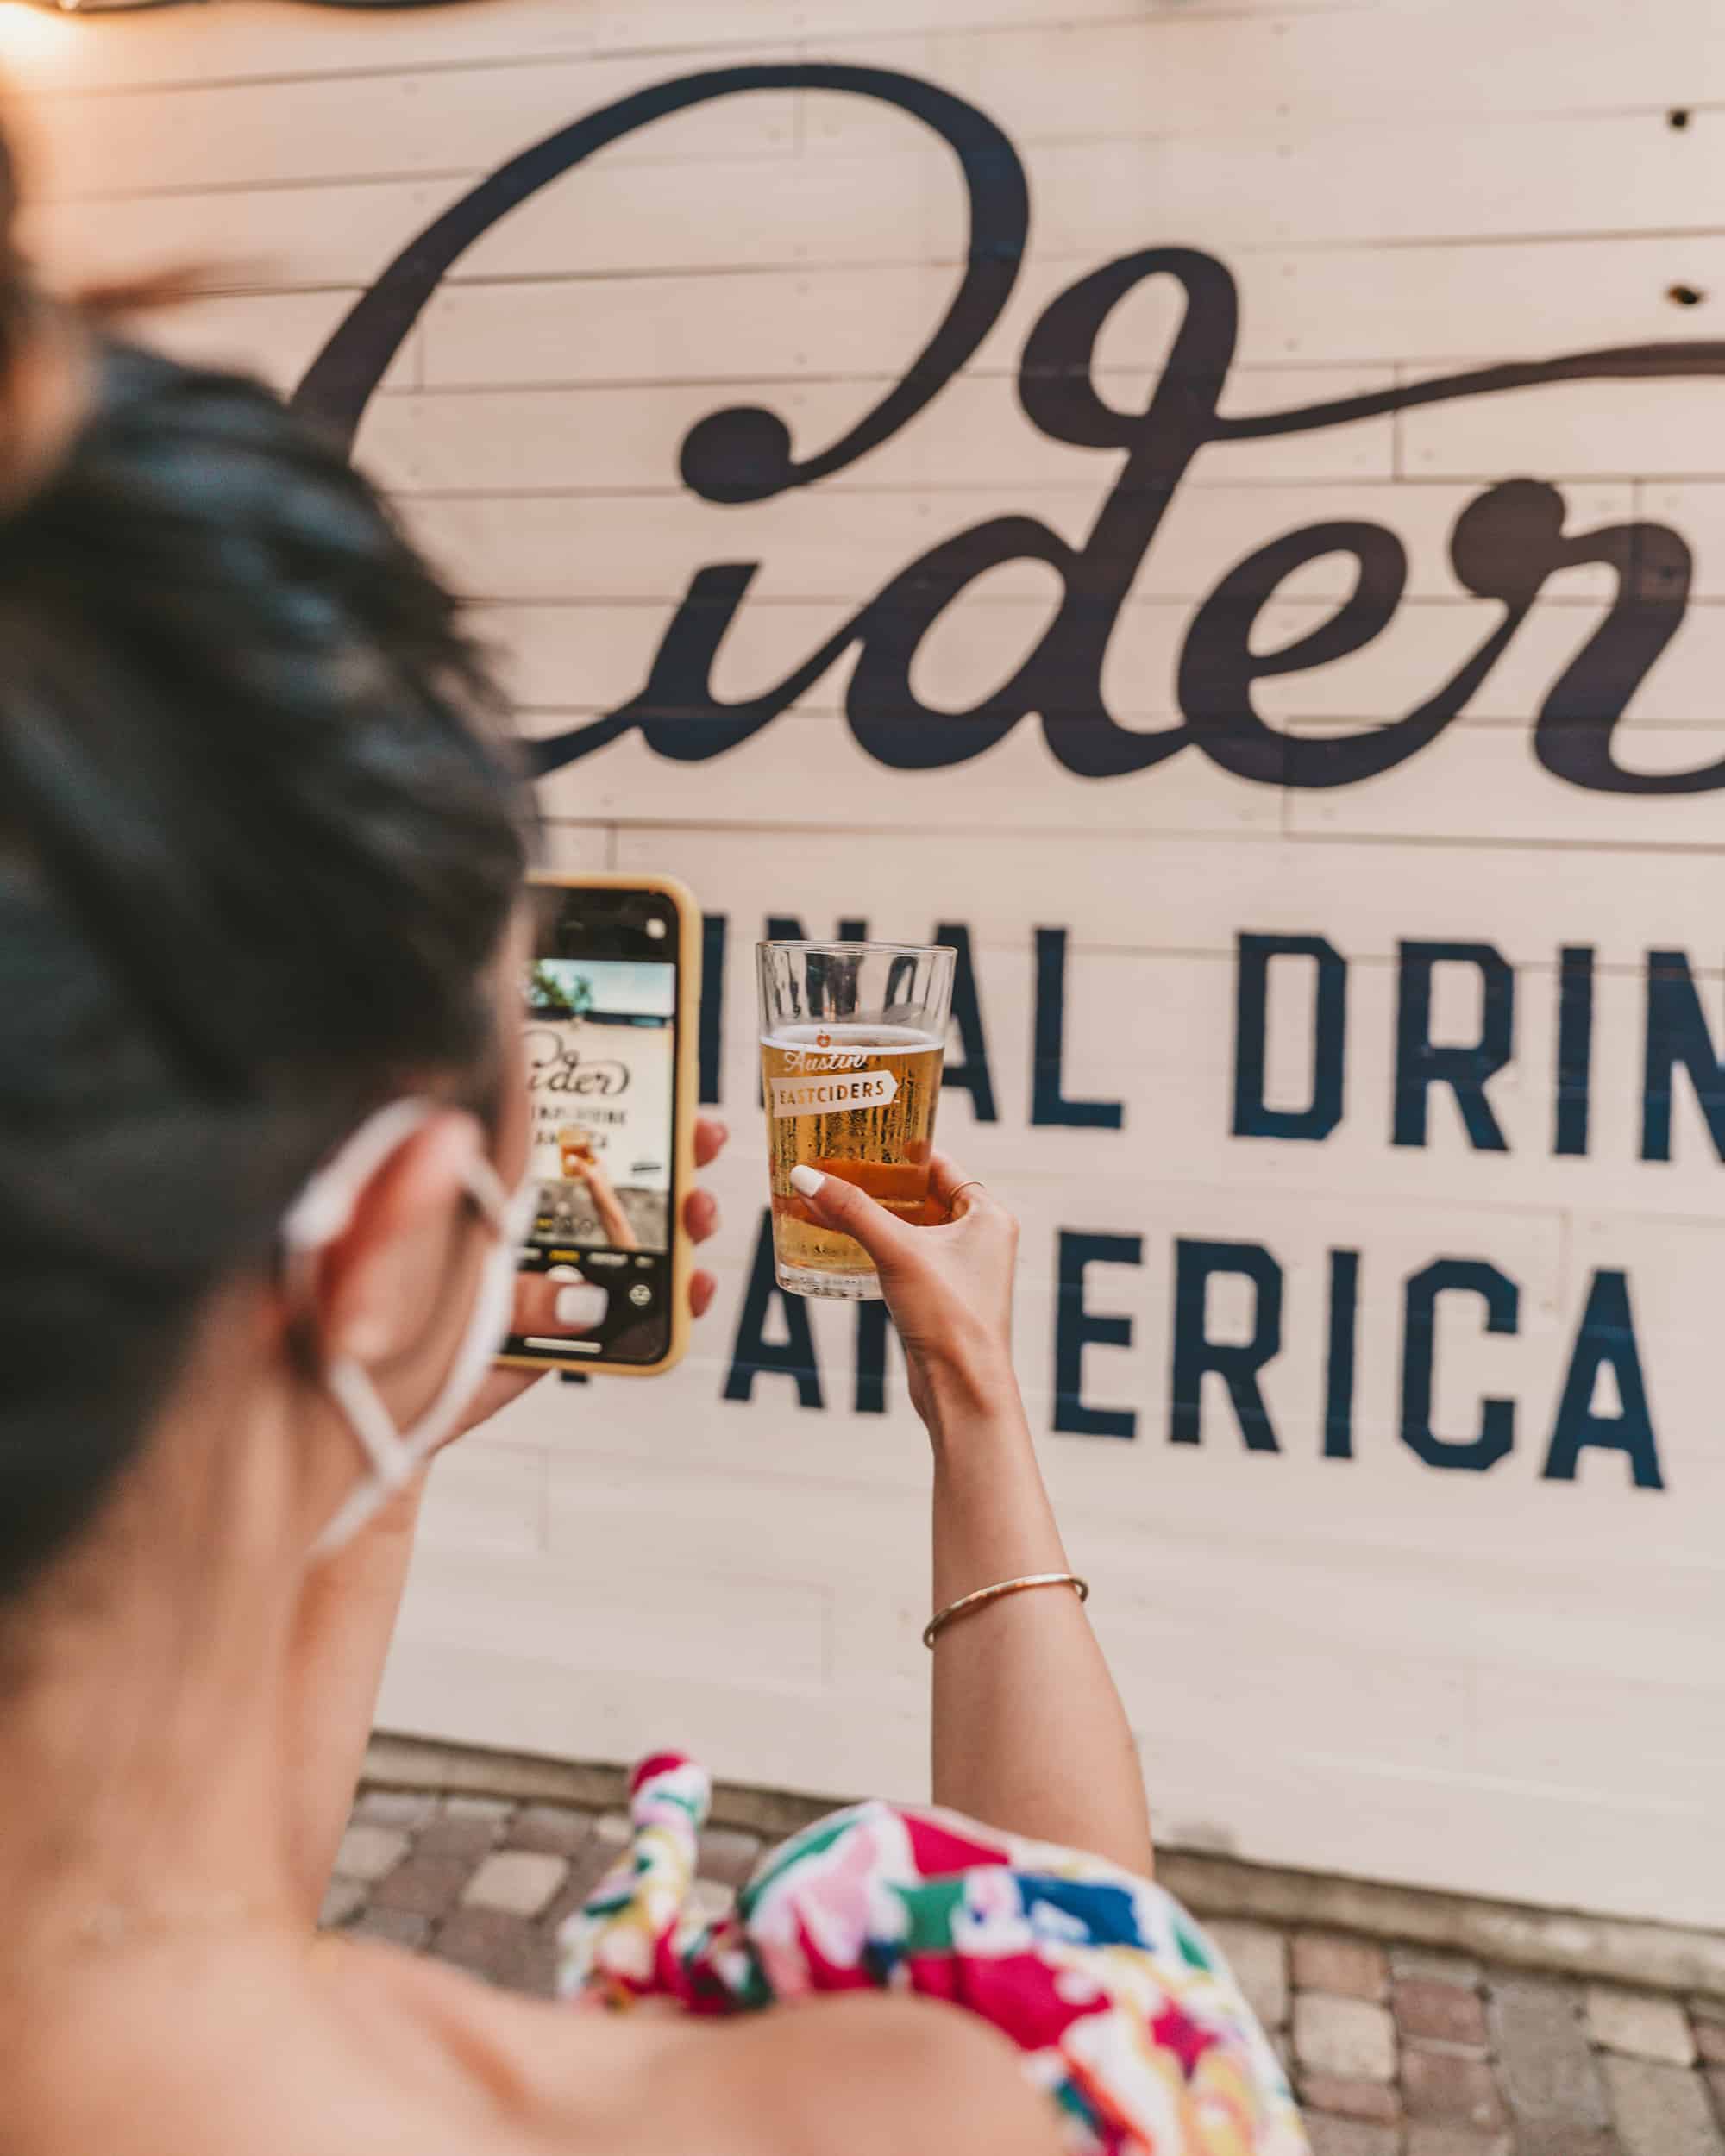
(581, 1306)
(806, 1181)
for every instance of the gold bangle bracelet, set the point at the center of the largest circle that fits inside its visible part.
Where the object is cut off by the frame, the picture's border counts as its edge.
(983, 1595)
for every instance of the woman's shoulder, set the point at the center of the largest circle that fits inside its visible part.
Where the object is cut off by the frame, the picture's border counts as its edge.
(856, 2075)
(903, 2077)
(864, 2075)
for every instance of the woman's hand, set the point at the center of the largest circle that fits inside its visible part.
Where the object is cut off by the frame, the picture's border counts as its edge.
(538, 1296)
(948, 1284)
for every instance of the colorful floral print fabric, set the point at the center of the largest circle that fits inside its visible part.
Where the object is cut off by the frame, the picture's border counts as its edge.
(1127, 2017)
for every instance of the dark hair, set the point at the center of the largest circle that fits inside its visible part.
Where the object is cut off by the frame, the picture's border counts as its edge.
(259, 837)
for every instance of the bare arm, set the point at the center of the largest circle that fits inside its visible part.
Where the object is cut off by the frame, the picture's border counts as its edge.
(611, 1218)
(1029, 1731)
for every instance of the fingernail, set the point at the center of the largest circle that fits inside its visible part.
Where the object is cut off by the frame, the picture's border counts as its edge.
(805, 1182)
(580, 1306)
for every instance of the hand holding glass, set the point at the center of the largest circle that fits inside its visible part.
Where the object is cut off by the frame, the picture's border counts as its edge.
(852, 1037)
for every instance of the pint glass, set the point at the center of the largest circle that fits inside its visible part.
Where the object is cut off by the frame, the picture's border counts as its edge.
(851, 1040)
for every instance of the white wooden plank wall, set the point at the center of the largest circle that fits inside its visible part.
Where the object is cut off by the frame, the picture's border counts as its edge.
(1497, 1680)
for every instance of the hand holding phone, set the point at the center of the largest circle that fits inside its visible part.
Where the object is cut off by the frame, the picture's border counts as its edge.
(700, 1220)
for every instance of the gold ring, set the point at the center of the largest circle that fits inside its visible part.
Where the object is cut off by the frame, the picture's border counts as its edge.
(974, 1184)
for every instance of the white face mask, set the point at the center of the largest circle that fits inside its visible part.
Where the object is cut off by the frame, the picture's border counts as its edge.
(317, 1216)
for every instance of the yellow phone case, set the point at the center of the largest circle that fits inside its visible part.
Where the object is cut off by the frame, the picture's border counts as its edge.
(688, 1086)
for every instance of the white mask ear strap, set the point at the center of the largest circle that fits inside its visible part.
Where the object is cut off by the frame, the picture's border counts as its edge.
(362, 1404)
(323, 1209)
(393, 1461)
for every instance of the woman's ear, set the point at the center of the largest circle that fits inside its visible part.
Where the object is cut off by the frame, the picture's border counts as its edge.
(379, 1280)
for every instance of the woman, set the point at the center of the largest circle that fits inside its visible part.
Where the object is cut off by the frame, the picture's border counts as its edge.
(263, 1115)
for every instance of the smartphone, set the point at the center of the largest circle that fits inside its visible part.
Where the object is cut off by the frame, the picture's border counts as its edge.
(608, 1013)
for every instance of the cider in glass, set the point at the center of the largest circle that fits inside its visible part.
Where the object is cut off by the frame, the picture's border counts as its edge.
(852, 1041)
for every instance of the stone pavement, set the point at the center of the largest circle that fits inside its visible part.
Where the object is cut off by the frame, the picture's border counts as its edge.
(1395, 2051)
(485, 1883)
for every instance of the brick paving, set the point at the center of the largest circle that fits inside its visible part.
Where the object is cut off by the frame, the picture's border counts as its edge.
(1395, 2050)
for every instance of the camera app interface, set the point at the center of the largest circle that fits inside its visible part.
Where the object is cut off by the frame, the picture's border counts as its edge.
(599, 1022)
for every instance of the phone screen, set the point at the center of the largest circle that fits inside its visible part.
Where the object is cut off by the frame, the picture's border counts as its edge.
(599, 1014)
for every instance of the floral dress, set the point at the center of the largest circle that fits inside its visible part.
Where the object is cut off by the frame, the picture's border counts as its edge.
(1126, 2016)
